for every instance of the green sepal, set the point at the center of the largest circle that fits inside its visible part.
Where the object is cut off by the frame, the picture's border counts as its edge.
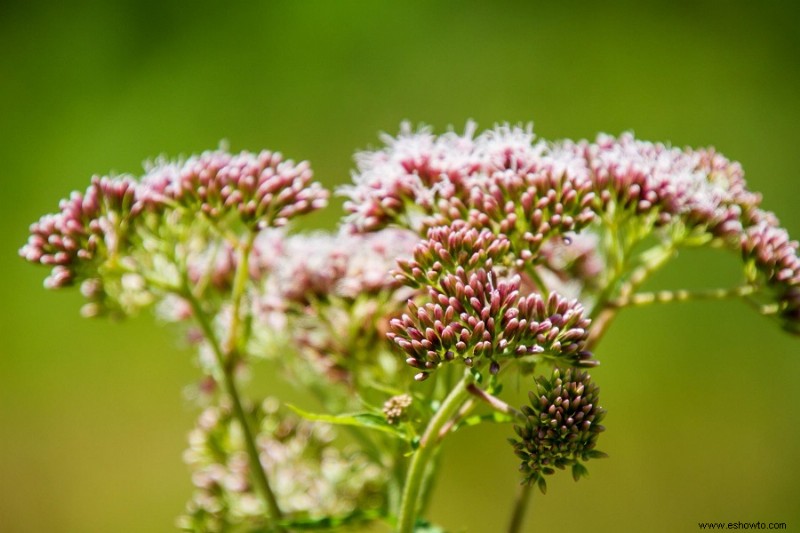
(595, 454)
(542, 484)
(579, 471)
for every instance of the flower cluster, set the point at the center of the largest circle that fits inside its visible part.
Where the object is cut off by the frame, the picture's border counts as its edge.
(563, 423)
(395, 409)
(475, 317)
(773, 259)
(498, 180)
(323, 265)
(701, 188)
(311, 477)
(121, 234)
(448, 247)
(530, 191)
(87, 228)
(518, 234)
(263, 189)
(331, 296)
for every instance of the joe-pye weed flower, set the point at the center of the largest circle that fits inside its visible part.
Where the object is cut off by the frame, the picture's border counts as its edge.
(475, 259)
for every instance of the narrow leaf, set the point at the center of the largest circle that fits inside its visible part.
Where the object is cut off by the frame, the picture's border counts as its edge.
(364, 420)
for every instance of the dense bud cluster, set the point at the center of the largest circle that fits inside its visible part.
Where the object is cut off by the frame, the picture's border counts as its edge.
(87, 226)
(395, 409)
(773, 256)
(563, 423)
(263, 189)
(475, 317)
(311, 477)
(448, 247)
(108, 235)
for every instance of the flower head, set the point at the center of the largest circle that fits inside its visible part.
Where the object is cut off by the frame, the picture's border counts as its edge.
(498, 181)
(310, 475)
(771, 259)
(448, 247)
(563, 423)
(263, 189)
(476, 317)
(87, 229)
(395, 409)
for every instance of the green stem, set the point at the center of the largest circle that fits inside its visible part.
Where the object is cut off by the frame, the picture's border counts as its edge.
(496, 403)
(226, 369)
(520, 506)
(682, 295)
(241, 276)
(427, 446)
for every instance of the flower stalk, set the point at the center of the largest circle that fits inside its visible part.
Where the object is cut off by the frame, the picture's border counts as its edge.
(521, 504)
(226, 372)
(427, 446)
(682, 295)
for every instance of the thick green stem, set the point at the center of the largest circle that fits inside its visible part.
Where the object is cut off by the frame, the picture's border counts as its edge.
(427, 445)
(520, 506)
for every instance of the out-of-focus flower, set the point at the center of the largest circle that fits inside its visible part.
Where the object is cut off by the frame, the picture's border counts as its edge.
(771, 259)
(563, 423)
(88, 229)
(323, 265)
(573, 264)
(395, 409)
(311, 477)
(331, 296)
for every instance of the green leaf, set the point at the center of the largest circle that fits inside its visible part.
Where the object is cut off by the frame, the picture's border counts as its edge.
(363, 420)
(329, 522)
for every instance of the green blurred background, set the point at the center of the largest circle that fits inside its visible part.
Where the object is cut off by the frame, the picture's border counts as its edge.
(703, 419)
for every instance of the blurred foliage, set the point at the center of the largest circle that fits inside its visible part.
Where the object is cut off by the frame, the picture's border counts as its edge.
(701, 424)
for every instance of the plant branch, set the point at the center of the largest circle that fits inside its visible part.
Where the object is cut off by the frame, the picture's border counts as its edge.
(604, 314)
(494, 402)
(419, 462)
(524, 496)
(223, 358)
(681, 295)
